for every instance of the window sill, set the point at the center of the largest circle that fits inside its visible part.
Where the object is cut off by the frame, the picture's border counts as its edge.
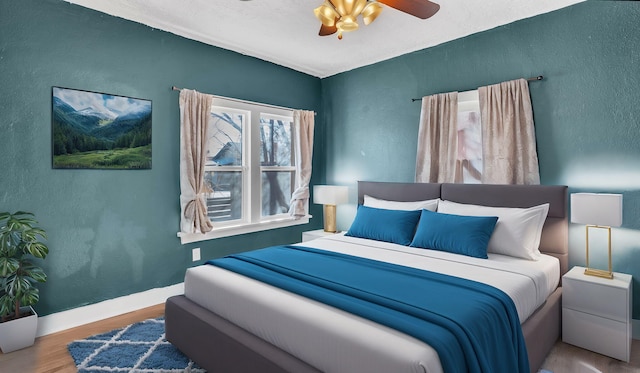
(241, 229)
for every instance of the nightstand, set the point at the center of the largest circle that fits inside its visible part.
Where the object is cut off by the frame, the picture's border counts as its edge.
(312, 235)
(596, 313)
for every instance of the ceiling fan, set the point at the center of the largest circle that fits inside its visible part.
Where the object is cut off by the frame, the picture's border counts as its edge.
(341, 15)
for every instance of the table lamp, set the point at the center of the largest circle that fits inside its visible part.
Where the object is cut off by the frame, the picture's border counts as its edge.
(597, 210)
(330, 196)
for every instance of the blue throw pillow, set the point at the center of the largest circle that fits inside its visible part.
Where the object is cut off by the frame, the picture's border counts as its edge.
(466, 235)
(384, 225)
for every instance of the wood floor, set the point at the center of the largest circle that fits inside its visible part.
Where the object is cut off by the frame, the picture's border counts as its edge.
(565, 358)
(49, 354)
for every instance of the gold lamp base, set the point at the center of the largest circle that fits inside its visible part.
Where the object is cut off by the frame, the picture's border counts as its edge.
(329, 218)
(599, 272)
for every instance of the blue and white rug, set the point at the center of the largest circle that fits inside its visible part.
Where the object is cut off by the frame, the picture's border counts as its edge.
(139, 348)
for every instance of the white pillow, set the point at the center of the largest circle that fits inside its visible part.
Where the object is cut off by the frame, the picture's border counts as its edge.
(431, 204)
(517, 232)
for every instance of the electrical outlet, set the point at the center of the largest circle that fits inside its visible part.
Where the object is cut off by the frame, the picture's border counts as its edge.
(195, 254)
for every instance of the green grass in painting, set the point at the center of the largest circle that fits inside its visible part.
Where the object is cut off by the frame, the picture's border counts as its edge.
(129, 158)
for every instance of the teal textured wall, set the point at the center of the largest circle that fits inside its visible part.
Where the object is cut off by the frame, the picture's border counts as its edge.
(113, 233)
(586, 110)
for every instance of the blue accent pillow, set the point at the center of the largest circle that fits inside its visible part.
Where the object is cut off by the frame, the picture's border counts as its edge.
(458, 234)
(384, 225)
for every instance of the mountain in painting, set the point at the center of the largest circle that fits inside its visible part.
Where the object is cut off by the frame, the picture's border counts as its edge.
(122, 125)
(91, 129)
(68, 116)
(104, 115)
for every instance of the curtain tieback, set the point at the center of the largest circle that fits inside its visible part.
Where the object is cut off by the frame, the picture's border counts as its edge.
(193, 205)
(301, 193)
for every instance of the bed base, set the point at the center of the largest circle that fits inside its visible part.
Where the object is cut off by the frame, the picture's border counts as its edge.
(220, 346)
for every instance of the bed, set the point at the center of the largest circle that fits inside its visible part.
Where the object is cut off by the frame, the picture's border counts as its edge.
(223, 336)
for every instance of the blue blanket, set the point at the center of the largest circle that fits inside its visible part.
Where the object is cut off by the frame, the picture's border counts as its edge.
(474, 327)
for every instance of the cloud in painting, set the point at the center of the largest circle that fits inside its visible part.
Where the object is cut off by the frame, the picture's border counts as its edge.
(108, 105)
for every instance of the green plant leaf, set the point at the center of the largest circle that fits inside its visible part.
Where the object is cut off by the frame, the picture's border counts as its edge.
(36, 231)
(23, 213)
(13, 224)
(29, 297)
(37, 249)
(35, 272)
(17, 285)
(9, 238)
(8, 265)
(6, 305)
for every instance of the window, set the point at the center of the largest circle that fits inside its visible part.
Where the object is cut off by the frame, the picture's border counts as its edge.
(249, 169)
(495, 145)
(469, 159)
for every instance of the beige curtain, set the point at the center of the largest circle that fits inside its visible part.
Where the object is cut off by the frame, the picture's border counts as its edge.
(508, 136)
(303, 124)
(195, 111)
(438, 139)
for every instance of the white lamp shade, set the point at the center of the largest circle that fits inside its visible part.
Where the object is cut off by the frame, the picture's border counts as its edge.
(330, 194)
(596, 209)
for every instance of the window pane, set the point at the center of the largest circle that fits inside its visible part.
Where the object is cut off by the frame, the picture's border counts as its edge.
(224, 145)
(225, 202)
(275, 141)
(276, 192)
(470, 146)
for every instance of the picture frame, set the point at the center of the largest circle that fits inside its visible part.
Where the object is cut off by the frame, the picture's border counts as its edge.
(92, 130)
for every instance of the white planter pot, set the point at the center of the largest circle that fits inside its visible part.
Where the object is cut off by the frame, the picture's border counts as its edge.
(18, 334)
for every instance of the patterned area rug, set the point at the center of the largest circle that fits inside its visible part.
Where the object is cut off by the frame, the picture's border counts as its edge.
(139, 348)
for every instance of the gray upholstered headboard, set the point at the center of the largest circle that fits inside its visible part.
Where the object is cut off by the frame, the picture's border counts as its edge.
(555, 234)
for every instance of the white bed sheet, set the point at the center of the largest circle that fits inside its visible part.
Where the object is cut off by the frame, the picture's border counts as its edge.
(336, 341)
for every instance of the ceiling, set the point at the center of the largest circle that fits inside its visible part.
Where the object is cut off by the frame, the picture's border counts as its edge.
(285, 32)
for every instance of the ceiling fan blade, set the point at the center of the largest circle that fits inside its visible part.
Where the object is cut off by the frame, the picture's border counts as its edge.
(327, 30)
(418, 8)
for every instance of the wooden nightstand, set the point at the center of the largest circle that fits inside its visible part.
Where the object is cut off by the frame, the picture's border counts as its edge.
(312, 235)
(596, 313)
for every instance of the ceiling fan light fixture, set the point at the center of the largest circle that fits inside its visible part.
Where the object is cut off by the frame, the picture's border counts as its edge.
(342, 6)
(357, 7)
(349, 7)
(347, 23)
(326, 14)
(371, 12)
(342, 15)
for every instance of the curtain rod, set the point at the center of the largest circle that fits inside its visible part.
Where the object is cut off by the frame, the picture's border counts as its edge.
(174, 88)
(539, 77)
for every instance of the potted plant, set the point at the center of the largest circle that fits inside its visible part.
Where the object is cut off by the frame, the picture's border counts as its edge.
(20, 243)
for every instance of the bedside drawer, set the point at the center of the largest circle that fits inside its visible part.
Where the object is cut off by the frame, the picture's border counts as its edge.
(596, 299)
(597, 334)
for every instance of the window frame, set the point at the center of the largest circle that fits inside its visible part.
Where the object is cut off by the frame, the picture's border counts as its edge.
(252, 220)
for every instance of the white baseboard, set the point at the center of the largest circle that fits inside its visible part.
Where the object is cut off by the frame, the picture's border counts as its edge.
(99, 311)
(635, 329)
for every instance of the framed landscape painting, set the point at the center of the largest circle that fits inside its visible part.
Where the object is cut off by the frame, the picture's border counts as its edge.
(99, 130)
